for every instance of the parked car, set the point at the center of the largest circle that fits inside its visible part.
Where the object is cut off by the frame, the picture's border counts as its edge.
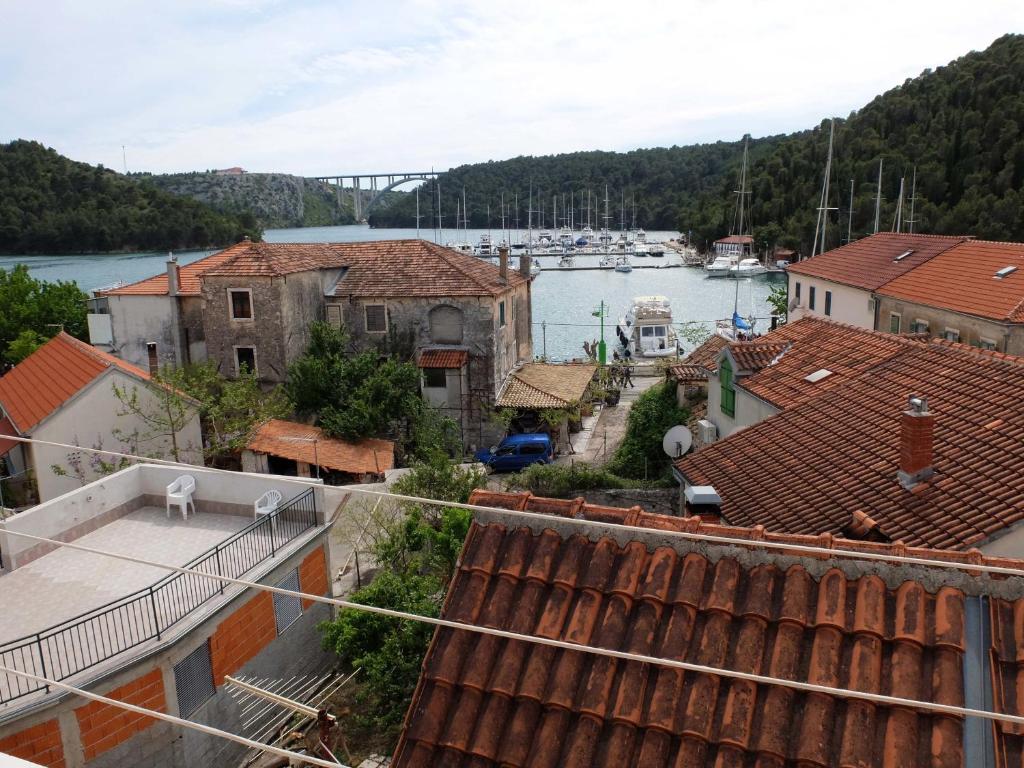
(516, 452)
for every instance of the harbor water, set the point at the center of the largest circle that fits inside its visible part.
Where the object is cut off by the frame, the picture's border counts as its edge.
(564, 301)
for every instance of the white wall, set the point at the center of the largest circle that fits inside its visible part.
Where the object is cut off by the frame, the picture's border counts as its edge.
(750, 410)
(90, 419)
(138, 320)
(849, 305)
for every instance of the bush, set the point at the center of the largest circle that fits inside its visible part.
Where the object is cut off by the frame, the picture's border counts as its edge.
(640, 455)
(560, 481)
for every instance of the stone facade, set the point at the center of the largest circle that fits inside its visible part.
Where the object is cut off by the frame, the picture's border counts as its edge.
(977, 331)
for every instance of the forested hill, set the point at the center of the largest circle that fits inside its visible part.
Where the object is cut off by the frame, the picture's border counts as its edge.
(961, 126)
(50, 204)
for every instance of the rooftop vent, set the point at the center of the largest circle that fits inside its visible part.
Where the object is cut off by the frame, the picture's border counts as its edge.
(1005, 272)
(818, 375)
(904, 255)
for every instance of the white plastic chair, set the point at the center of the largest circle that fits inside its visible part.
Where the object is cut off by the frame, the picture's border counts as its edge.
(179, 494)
(266, 505)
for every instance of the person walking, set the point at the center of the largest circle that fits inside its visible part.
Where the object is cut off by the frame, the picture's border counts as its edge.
(627, 378)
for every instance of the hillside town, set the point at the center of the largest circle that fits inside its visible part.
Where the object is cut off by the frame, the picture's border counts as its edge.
(665, 457)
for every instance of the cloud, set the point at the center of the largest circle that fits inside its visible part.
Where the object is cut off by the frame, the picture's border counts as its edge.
(326, 87)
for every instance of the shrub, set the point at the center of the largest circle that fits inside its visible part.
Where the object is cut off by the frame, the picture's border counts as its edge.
(560, 481)
(640, 455)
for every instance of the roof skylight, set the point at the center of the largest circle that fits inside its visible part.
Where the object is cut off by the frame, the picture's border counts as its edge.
(1005, 272)
(818, 375)
(904, 255)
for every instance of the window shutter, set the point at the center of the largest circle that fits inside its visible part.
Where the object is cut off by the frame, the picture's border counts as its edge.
(193, 680)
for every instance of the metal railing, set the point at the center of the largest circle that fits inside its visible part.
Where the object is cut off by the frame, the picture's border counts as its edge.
(93, 637)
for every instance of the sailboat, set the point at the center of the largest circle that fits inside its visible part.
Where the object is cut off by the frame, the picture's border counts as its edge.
(727, 257)
(736, 328)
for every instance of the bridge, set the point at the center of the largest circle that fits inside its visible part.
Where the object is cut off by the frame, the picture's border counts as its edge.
(372, 184)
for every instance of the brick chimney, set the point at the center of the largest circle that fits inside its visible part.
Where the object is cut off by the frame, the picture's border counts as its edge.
(704, 502)
(524, 266)
(503, 263)
(173, 275)
(917, 438)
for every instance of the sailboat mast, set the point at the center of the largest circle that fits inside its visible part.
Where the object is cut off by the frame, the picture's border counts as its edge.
(440, 228)
(878, 195)
(913, 196)
(897, 221)
(823, 209)
(417, 213)
(849, 216)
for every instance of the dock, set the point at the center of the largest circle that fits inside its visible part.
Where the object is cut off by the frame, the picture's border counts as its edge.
(610, 268)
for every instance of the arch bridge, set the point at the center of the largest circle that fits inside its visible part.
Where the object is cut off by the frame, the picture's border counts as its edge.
(366, 188)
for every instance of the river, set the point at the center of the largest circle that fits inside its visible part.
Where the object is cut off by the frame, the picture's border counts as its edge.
(563, 302)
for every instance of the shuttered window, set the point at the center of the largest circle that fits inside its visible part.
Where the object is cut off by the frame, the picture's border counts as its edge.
(334, 316)
(376, 318)
(287, 608)
(193, 680)
(728, 391)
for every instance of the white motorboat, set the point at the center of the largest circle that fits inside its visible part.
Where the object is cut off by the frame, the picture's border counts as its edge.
(640, 249)
(485, 248)
(656, 249)
(567, 260)
(641, 236)
(646, 330)
(721, 266)
(747, 268)
(607, 261)
(622, 264)
(535, 267)
(462, 247)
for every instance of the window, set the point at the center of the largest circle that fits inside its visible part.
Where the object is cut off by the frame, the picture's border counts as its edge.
(951, 334)
(245, 359)
(193, 680)
(334, 315)
(435, 377)
(919, 326)
(154, 360)
(904, 255)
(376, 318)
(531, 450)
(828, 302)
(894, 322)
(660, 330)
(646, 330)
(508, 450)
(287, 608)
(986, 343)
(810, 298)
(728, 391)
(240, 303)
(798, 293)
(1005, 272)
(501, 314)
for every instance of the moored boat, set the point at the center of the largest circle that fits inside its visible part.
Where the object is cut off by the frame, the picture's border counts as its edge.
(720, 267)
(646, 330)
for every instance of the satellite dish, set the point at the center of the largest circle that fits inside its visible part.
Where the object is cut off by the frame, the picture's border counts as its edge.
(677, 441)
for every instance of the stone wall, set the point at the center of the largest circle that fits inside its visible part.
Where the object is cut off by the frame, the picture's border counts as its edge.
(1006, 337)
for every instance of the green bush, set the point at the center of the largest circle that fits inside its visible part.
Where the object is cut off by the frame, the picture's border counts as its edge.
(640, 455)
(561, 481)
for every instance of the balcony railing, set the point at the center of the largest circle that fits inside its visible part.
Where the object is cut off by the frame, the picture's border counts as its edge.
(83, 642)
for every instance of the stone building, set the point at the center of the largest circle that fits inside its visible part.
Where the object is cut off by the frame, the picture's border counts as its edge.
(466, 322)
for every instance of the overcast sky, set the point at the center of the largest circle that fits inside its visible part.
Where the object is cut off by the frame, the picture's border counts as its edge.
(319, 88)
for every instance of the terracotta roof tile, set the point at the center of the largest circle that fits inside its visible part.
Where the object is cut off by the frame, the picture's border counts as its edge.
(735, 240)
(301, 442)
(1007, 618)
(964, 279)
(7, 428)
(872, 262)
(484, 702)
(443, 358)
(685, 372)
(777, 365)
(808, 468)
(188, 277)
(50, 376)
(706, 355)
(545, 385)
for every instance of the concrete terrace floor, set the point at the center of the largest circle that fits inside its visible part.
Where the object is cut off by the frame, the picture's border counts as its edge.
(65, 583)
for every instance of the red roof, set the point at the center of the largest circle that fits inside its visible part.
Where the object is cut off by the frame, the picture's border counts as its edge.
(875, 260)
(484, 702)
(735, 240)
(7, 428)
(779, 363)
(964, 279)
(443, 358)
(188, 277)
(808, 468)
(706, 355)
(52, 375)
(687, 373)
(302, 442)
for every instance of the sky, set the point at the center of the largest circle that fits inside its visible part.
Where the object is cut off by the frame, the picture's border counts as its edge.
(338, 87)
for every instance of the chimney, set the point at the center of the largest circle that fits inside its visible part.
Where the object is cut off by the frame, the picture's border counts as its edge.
(704, 502)
(503, 263)
(173, 275)
(524, 266)
(917, 437)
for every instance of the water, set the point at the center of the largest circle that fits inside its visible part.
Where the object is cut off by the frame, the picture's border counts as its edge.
(563, 302)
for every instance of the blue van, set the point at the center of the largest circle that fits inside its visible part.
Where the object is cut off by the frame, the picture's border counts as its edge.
(518, 451)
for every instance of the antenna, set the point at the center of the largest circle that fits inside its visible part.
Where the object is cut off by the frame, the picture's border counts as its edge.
(124, 159)
(677, 441)
(878, 196)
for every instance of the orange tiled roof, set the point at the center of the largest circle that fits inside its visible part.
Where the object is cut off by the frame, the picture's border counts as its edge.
(484, 702)
(443, 358)
(871, 262)
(805, 469)
(188, 277)
(546, 385)
(52, 375)
(808, 345)
(963, 279)
(7, 428)
(706, 355)
(301, 442)
(684, 372)
(736, 240)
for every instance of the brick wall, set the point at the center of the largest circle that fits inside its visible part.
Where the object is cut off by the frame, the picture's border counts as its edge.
(242, 635)
(40, 744)
(313, 575)
(103, 726)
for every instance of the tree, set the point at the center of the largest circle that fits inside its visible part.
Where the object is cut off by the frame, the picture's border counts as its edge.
(778, 300)
(163, 410)
(32, 311)
(640, 455)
